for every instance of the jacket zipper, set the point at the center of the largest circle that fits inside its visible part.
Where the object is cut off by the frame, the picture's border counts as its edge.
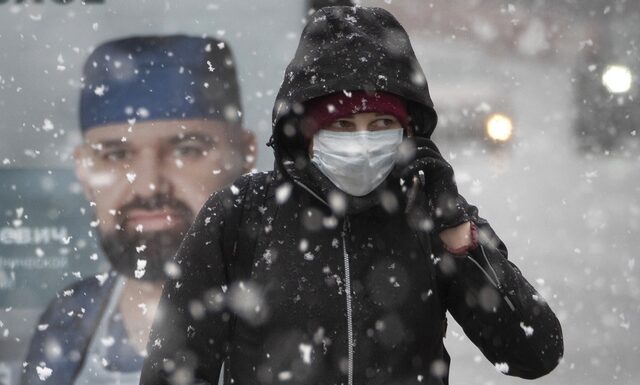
(347, 279)
(495, 283)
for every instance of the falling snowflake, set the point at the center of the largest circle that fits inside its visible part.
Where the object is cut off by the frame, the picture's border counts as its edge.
(43, 372)
(502, 367)
(283, 192)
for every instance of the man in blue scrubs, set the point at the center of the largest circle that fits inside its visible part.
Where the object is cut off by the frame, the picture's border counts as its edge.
(162, 130)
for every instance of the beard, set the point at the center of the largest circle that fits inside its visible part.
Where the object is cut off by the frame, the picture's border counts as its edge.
(125, 248)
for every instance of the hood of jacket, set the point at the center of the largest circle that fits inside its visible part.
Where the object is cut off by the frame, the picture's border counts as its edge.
(344, 49)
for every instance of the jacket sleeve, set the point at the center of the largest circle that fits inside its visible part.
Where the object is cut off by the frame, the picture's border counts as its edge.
(498, 309)
(188, 339)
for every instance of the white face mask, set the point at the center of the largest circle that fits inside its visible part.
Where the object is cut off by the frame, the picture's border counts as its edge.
(356, 161)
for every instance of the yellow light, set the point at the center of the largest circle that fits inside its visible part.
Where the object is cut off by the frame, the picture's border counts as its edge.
(617, 79)
(499, 127)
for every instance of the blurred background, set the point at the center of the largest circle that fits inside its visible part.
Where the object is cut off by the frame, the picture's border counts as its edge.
(539, 115)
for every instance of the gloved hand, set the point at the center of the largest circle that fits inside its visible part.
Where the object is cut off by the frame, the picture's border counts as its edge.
(425, 171)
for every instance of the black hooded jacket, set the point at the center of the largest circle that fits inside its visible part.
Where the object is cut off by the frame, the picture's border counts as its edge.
(290, 281)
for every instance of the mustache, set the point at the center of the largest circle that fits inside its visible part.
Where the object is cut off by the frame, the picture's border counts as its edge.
(155, 202)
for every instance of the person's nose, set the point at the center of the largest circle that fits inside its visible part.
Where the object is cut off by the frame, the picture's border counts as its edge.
(361, 126)
(148, 177)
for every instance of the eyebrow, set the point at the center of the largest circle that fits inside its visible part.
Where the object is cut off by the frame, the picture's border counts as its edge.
(196, 136)
(101, 145)
(177, 139)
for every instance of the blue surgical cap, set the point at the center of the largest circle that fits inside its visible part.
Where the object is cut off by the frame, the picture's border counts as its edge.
(159, 77)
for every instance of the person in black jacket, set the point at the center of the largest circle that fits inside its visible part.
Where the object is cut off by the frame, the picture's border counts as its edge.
(338, 266)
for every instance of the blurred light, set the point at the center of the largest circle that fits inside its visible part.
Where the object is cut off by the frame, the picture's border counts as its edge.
(617, 79)
(499, 127)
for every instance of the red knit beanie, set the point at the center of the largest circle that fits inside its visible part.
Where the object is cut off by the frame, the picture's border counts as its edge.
(322, 111)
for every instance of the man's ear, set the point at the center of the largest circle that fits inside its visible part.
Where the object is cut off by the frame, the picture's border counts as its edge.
(81, 161)
(249, 142)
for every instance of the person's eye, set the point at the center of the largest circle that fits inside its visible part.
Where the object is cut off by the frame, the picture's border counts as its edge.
(189, 150)
(384, 123)
(116, 155)
(341, 124)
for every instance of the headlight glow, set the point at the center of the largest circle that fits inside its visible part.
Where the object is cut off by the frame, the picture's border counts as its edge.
(499, 127)
(617, 79)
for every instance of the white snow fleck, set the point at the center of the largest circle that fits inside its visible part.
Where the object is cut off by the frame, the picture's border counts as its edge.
(131, 176)
(99, 90)
(143, 112)
(43, 372)
(234, 189)
(305, 353)
(47, 125)
(172, 270)
(337, 202)
(309, 256)
(528, 330)
(102, 277)
(67, 293)
(285, 375)
(502, 367)
(267, 256)
(210, 66)
(108, 341)
(141, 248)
(304, 245)
(43, 327)
(140, 269)
(283, 192)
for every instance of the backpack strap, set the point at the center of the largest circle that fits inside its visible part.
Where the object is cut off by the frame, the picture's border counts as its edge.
(244, 224)
(242, 228)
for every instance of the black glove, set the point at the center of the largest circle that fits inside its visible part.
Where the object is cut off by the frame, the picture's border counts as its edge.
(424, 170)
